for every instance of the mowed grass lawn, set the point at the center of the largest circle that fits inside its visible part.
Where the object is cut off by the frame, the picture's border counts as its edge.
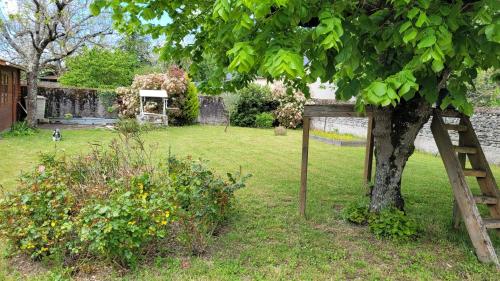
(266, 239)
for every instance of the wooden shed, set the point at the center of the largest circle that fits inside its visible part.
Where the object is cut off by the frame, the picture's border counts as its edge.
(10, 93)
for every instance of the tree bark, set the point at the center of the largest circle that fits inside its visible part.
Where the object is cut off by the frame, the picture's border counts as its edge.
(394, 134)
(32, 87)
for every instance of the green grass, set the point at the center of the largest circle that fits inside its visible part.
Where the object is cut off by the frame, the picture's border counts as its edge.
(334, 135)
(266, 239)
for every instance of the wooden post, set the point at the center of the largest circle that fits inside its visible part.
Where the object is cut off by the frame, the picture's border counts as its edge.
(303, 176)
(369, 152)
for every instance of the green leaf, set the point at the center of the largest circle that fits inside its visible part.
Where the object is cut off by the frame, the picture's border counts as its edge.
(437, 65)
(243, 56)
(410, 35)
(427, 42)
(221, 9)
(413, 12)
(404, 26)
(492, 32)
(421, 19)
(379, 88)
(429, 89)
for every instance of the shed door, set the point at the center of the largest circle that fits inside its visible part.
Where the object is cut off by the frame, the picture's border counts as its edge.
(6, 98)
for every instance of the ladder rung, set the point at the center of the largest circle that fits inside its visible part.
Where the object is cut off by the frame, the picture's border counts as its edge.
(456, 127)
(491, 223)
(474, 173)
(465, 149)
(488, 200)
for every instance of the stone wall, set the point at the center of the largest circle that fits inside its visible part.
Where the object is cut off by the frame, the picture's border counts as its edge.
(486, 122)
(212, 110)
(76, 101)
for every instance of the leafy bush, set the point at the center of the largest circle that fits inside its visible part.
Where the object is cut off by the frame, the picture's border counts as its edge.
(264, 120)
(20, 129)
(290, 106)
(392, 223)
(356, 212)
(115, 204)
(190, 108)
(253, 100)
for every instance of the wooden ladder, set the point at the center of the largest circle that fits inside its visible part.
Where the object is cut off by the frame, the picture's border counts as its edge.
(454, 158)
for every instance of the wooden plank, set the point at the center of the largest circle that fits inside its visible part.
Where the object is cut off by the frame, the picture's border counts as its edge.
(303, 171)
(369, 152)
(485, 200)
(474, 173)
(465, 149)
(463, 195)
(334, 110)
(491, 224)
(455, 127)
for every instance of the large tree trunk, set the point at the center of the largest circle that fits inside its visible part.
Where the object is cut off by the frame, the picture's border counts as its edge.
(394, 133)
(31, 104)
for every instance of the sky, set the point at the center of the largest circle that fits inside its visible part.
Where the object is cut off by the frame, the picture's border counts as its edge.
(8, 6)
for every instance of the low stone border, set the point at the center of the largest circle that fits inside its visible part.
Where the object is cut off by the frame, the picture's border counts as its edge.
(82, 121)
(339, 142)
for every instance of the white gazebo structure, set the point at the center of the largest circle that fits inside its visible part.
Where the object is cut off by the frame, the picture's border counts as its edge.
(153, 117)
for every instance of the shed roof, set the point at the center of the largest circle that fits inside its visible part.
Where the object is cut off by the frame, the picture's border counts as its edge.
(9, 64)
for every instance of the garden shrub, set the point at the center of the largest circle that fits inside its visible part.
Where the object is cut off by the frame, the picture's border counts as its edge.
(392, 223)
(116, 204)
(190, 108)
(290, 106)
(253, 100)
(264, 120)
(356, 212)
(20, 128)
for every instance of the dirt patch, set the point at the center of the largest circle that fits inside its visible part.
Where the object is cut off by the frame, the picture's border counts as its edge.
(94, 272)
(26, 266)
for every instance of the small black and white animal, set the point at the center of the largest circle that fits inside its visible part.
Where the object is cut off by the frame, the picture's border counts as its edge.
(56, 135)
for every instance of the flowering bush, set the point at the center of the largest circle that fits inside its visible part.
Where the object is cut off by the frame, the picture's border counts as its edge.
(152, 81)
(182, 94)
(176, 81)
(114, 204)
(128, 102)
(290, 108)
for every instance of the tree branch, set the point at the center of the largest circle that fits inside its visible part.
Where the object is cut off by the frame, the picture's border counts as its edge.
(11, 42)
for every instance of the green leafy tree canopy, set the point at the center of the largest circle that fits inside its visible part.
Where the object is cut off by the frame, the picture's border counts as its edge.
(100, 68)
(377, 51)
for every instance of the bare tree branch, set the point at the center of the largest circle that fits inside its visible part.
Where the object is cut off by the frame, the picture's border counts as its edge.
(47, 31)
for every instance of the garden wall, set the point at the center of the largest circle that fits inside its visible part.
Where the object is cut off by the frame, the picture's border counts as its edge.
(212, 110)
(77, 101)
(486, 122)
